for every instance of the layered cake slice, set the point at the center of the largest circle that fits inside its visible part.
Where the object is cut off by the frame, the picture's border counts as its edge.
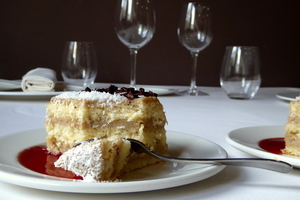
(292, 127)
(98, 160)
(73, 117)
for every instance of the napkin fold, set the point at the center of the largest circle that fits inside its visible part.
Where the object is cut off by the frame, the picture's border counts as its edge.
(39, 80)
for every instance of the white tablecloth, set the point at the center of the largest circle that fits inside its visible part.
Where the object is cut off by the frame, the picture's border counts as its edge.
(211, 117)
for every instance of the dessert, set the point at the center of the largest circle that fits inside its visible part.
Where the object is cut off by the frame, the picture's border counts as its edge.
(100, 159)
(292, 127)
(110, 114)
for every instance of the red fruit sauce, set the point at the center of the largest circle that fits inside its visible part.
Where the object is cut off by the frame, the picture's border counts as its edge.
(38, 159)
(272, 145)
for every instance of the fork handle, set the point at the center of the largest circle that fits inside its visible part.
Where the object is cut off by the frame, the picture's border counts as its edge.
(269, 164)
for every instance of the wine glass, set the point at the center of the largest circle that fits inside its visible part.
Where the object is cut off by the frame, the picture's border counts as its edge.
(79, 64)
(240, 72)
(134, 26)
(194, 33)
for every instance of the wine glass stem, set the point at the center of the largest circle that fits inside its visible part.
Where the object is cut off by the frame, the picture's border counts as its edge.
(193, 87)
(133, 54)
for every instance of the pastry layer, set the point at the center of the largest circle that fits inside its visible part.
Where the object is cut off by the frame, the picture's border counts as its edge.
(73, 120)
(292, 136)
(98, 160)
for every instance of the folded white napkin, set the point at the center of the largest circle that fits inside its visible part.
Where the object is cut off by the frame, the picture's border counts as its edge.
(39, 80)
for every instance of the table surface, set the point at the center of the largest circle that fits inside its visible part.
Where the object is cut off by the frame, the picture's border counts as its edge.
(211, 117)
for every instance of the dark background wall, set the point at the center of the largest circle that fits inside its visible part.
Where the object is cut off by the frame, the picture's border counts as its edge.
(33, 32)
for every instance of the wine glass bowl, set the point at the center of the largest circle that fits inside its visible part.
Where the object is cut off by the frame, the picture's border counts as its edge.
(240, 72)
(134, 26)
(79, 64)
(194, 33)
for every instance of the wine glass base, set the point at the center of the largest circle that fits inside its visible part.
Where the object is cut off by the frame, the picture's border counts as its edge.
(196, 93)
(193, 93)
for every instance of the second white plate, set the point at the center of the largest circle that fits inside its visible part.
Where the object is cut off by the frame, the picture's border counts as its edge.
(20, 95)
(159, 90)
(155, 177)
(247, 139)
(288, 96)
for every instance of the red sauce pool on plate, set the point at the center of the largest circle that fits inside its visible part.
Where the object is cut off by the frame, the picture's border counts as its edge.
(272, 145)
(38, 159)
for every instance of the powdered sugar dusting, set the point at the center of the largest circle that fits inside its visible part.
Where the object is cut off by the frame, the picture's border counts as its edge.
(84, 160)
(92, 96)
(99, 160)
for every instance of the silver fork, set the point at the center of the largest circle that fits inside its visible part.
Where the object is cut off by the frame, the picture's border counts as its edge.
(269, 164)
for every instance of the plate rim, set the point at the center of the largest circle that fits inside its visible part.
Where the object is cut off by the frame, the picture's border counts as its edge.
(285, 95)
(45, 182)
(160, 90)
(259, 152)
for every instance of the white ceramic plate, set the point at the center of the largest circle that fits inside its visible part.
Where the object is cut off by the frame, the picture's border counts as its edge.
(20, 95)
(155, 177)
(247, 139)
(159, 90)
(288, 96)
(27, 95)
